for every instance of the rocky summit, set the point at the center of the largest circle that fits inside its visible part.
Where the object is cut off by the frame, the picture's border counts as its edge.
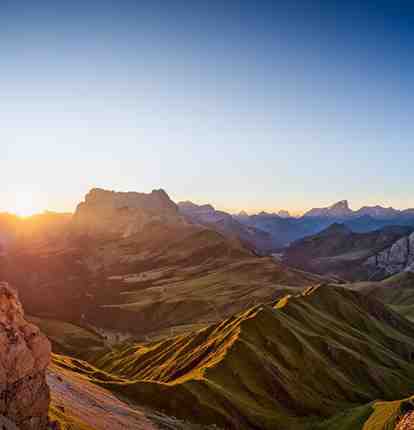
(121, 214)
(252, 238)
(24, 357)
(396, 258)
(339, 209)
(338, 251)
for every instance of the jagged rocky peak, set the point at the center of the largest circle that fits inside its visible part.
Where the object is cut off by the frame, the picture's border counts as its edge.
(341, 205)
(157, 200)
(284, 214)
(378, 211)
(24, 357)
(396, 258)
(122, 214)
(188, 206)
(338, 209)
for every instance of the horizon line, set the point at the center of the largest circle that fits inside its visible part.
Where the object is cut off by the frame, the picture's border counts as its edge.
(294, 213)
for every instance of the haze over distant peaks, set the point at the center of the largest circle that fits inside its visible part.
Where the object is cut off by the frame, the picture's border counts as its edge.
(243, 214)
(190, 206)
(378, 211)
(342, 209)
(284, 214)
(339, 251)
(227, 225)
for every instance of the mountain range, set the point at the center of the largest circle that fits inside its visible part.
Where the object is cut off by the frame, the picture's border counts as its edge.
(338, 251)
(287, 230)
(255, 239)
(132, 263)
(341, 209)
(172, 316)
(330, 357)
(251, 371)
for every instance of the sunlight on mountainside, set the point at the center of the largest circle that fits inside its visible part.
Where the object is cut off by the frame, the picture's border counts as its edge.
(206, 215)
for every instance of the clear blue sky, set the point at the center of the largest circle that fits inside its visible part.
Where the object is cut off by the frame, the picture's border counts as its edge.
(247, 105)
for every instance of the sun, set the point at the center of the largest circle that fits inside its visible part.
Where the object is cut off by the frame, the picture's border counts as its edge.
(24, 205)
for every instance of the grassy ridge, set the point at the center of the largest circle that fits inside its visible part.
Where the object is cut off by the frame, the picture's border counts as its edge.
(165, 279)
(70, 339)
(340, 251)
(298, 364)
(396, 291)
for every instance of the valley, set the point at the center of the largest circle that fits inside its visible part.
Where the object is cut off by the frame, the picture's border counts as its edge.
(177, 247)
(164, 318)
(339, 251)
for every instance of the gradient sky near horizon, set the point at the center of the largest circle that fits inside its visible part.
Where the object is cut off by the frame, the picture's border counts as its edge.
(244, 104)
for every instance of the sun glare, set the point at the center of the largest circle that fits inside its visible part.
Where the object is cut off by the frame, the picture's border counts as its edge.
(24, 205)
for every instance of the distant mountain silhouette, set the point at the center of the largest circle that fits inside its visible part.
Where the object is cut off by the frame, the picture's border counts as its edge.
(369, 218)
(338, 210)
(338, 251)
(253, 238)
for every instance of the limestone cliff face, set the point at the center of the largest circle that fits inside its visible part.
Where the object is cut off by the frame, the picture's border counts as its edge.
(111, 213)
(24, 357)
(397, 258)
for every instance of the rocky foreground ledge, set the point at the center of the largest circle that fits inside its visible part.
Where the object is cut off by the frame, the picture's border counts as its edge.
(24, 356)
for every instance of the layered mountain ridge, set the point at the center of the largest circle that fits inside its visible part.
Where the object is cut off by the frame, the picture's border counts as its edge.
(185, 327)
(284, 231)
(338, 251)
(253, 238)
(341, 209)
(396, 258)
(253, 369)
(131, 263)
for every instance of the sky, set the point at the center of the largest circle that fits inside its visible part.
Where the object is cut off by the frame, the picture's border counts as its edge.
(255, 105)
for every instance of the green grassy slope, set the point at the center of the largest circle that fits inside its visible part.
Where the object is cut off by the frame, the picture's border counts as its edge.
(380, 415)
(304, 363)
(78, 404)
(341, 252)
(70, 339)
(397, 291)
(198, 295)
(167, 279)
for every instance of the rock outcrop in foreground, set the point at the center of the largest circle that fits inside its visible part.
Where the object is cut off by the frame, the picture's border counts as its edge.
(24, 357)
